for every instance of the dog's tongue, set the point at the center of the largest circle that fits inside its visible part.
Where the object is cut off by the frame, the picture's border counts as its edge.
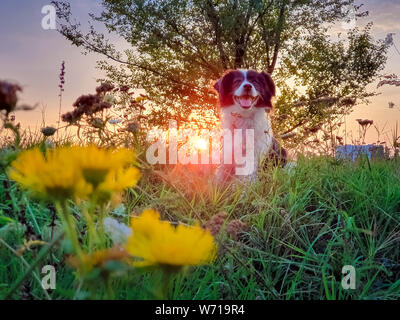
(245, 102)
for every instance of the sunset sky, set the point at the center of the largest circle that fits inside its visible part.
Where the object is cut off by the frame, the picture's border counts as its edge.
(32, 57)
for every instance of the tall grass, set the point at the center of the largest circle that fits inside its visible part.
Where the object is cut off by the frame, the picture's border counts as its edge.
(303, 225)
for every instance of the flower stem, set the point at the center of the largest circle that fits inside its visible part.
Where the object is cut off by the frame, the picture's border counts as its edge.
(66, 217)
(94, 239)
(110, 292)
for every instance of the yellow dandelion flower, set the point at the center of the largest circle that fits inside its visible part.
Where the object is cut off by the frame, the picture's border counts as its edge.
(98, 164)
(120, 179)
(159, 243)
(75, 172)
(51, 176)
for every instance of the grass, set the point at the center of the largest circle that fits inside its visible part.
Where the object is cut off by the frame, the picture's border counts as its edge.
(303, 225)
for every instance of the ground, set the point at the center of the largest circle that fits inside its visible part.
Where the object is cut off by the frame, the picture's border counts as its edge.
(301, 226)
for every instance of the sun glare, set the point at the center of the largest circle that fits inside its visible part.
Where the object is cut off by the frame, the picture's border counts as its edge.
(201, 144)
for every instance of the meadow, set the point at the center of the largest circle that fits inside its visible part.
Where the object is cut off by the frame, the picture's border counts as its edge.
(287, 236)
(84, 213)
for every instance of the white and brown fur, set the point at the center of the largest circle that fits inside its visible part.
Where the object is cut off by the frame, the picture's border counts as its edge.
(245, 100)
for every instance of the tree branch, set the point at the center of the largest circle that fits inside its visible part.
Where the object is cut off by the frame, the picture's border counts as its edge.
(277, 45)
(215, 22)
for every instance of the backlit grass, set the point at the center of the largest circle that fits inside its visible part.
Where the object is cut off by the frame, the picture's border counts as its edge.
(303, 225)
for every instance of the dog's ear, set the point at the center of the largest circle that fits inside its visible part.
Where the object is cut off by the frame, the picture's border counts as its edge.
(267, 92)
(224, 88)
(217, 85)
(270, 83)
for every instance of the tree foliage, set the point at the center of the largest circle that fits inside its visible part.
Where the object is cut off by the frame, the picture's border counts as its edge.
(178, 47)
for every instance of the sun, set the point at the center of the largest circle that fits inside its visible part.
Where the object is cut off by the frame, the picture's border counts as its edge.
(200, 144)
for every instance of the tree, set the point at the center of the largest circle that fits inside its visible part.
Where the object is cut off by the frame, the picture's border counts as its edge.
(178, 47)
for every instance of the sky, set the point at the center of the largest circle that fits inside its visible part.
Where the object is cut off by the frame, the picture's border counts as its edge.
(32, 57)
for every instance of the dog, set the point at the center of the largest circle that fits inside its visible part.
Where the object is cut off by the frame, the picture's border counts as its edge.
(245, 98)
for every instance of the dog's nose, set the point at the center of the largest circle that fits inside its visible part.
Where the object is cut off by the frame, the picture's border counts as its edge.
(247, 87)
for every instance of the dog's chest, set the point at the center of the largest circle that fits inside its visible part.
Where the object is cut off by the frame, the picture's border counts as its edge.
(259, 122)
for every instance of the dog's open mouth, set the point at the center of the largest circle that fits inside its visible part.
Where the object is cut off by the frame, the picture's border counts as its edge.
(246, 101)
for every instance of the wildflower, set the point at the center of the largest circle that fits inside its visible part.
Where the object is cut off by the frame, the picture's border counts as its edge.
(141, 98)
(53, 176)
(48, 131)
(234, 228)
(109, 98)
(62, 78)
(215, 224)
(124, 88)
(97, 123)
(73, 116)
(117, 231)
(85, 105)
(75, 172)
(98, 258)
(114, 121)
(132, 127)
(100, 107)
(108, 166)
(104, 88)
(8, 96)
(119, 180)
(365, 122)
(86, 101)
(159, 243)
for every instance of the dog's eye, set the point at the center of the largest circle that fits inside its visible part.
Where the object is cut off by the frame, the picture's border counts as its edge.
(237, 82)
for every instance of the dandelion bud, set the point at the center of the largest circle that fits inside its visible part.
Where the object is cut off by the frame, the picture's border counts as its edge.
(48, 131)
(97, 123)
(132, 127)
(109, 98)
(365, 122)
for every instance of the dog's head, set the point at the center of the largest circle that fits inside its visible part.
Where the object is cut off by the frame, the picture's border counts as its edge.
(246, 88)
